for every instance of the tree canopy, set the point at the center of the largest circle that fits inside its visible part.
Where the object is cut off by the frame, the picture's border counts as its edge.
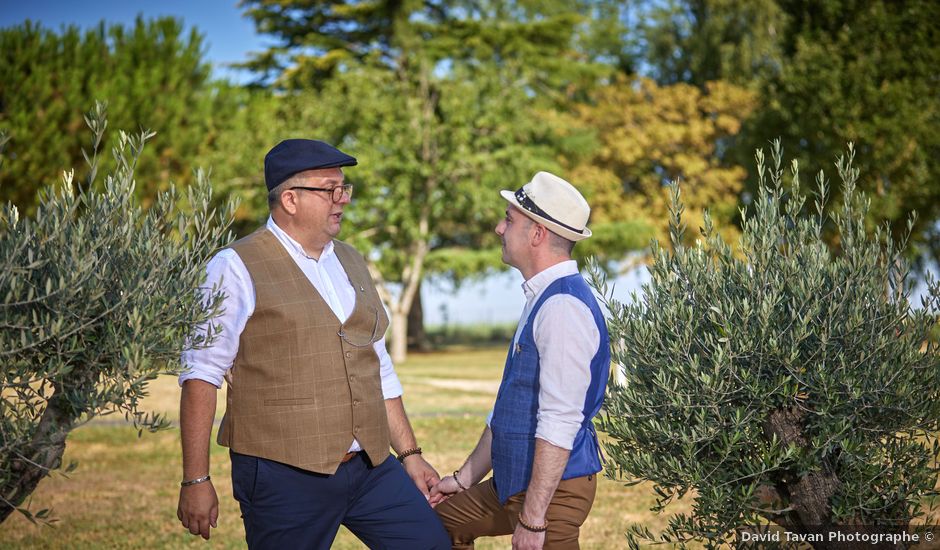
(827, 72)
(864, 72)
(649, 136)
(700, 41)
(151, 75)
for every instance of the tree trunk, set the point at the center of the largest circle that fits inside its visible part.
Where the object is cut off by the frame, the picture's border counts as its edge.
(411, 280)
(39, 457)
(399, 347)
(417, 337)
(810, 495)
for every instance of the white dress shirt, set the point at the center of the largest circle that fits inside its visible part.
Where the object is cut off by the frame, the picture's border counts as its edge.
(227, 269)
(566, 338)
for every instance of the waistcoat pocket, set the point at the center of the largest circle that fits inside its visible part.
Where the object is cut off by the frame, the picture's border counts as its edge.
(361, 332)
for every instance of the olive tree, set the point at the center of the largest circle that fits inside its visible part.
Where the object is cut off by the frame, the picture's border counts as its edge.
(783, 386)
(97, 297)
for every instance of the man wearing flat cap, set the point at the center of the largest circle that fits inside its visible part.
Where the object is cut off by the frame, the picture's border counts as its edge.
(539, 440)
(313, 401)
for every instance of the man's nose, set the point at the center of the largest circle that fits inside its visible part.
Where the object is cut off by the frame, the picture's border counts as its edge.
(500, 227)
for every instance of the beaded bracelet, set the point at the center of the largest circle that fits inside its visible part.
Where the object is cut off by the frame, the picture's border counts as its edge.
(533, 528)
(409, 452)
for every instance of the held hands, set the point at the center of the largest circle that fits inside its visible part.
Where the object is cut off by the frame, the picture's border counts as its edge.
(198, 508)
(443, 490)
(424, 476)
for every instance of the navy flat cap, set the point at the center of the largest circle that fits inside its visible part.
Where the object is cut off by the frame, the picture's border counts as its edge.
(296, 155)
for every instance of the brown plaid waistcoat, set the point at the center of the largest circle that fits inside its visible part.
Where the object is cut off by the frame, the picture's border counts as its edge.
(303, 385)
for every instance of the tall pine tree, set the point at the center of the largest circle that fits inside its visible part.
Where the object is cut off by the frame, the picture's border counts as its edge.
(151, 74)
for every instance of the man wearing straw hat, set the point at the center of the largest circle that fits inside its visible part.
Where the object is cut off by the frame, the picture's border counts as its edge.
(539, 440)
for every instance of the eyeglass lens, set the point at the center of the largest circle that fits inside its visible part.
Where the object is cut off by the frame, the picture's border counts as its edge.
(340, 190)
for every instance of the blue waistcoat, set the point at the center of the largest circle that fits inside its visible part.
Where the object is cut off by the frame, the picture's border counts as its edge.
(515, 413)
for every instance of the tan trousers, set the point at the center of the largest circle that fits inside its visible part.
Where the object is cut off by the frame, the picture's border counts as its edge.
(477, 512)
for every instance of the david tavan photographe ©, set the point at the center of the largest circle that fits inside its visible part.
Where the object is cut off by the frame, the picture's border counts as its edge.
(838, 536)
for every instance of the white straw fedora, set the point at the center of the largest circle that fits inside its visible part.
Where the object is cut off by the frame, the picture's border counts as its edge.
(554, 203)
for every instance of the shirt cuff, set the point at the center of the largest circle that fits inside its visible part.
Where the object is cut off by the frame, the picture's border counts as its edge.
(193, 374)
(391, 386)
(558, 433)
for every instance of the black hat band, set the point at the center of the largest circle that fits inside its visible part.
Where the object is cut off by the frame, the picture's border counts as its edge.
(528, 204)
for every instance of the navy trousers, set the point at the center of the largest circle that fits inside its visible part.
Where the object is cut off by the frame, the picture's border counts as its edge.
(286, 507)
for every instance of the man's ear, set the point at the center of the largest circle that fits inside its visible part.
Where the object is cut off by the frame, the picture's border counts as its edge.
(288, 201)
(539, 235)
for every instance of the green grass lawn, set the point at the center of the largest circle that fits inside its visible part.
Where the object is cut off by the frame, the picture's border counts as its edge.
(123, 494)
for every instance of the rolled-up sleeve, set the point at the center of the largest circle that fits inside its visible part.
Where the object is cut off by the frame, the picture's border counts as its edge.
(567, 338)
(210, 364)
(391, 386)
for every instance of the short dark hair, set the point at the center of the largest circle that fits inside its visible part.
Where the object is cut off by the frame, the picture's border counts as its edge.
(560, 243)
(274, 195)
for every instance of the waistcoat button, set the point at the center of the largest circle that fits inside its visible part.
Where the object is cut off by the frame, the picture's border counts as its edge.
(348, 355)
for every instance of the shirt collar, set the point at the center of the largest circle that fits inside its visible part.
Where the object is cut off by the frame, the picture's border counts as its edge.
(547, 276)
(293, 247)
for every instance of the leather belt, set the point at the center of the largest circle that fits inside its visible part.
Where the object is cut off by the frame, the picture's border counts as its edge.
(348, 457)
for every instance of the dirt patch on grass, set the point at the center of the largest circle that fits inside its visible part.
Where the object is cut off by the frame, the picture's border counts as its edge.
(488, 387)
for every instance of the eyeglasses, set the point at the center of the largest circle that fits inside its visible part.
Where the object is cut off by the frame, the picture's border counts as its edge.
(336, 193)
